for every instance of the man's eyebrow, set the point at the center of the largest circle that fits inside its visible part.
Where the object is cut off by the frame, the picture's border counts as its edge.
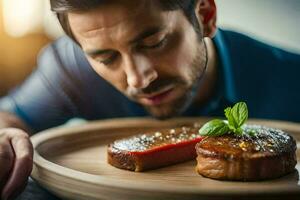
(148, 32)
(98, 52)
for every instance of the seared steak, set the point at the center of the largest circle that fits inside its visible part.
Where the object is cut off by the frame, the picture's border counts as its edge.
(260, 153)
(153, 150)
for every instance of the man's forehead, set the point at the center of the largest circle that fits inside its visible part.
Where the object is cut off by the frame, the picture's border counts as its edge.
(111, 14)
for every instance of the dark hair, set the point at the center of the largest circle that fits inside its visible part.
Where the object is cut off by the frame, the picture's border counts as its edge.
(61, 7)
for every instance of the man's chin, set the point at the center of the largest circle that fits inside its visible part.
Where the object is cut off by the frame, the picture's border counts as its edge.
(163, 112)
(161, 115)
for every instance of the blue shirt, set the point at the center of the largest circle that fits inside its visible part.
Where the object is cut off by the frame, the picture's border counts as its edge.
(65, 86)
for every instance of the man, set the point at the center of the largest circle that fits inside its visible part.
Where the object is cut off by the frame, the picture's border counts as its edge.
(136, 58)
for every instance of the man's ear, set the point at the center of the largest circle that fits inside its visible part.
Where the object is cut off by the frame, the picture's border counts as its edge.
(206, 13)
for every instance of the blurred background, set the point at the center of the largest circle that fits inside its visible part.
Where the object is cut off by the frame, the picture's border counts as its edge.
(26, 26)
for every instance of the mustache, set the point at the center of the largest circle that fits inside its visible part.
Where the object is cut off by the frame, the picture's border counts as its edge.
(155, 86)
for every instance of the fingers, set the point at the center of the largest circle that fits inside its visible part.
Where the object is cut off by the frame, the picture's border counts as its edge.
(22, 165)
(6, 159)
(16, 193)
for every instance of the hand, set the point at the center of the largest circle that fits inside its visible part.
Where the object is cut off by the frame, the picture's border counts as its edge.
(16, 154)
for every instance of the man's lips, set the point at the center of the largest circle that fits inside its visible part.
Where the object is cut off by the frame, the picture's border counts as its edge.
(157, 98)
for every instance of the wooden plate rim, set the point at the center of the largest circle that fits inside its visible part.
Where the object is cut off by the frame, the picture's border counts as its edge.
(51, 167)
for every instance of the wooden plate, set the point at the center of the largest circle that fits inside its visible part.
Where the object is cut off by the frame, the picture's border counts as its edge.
(71, 162)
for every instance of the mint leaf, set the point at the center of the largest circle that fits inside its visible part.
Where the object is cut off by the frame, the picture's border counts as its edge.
(227, 112)
(239, 113)
(236, 117)
(231, 122)
(232, 128)
(214, 127)
(239, 131)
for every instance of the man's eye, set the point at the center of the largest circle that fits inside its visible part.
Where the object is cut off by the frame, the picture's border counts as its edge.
(109, 60)
(161, 43)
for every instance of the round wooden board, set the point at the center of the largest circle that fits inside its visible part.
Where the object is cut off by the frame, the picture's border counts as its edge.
(71, 163)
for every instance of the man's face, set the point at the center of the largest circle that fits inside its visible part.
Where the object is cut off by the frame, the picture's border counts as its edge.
(154, 57)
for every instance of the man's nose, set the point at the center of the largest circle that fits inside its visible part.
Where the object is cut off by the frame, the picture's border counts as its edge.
(139, 71)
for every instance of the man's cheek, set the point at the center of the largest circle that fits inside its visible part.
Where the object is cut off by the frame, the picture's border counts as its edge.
(179, 57)
(95, 65)
(115, 78)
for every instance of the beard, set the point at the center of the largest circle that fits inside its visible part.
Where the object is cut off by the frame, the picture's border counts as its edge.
(188, 87)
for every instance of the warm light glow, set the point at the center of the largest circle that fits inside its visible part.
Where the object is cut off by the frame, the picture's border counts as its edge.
(22, 16)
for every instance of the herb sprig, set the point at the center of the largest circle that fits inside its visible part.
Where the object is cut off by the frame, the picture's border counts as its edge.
(236, 117)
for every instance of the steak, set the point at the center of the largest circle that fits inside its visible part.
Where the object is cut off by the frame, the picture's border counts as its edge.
(260, 153)
(155, 149)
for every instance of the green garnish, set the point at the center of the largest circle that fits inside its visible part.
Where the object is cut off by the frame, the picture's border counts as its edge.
(236, 117)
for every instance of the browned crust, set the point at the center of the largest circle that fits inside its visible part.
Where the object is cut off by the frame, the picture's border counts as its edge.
(228, 147)
(151, 159)
(121, 159)
(250, 169)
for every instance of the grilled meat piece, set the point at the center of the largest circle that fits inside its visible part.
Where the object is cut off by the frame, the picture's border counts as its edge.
(154, 150)
(269, 153)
